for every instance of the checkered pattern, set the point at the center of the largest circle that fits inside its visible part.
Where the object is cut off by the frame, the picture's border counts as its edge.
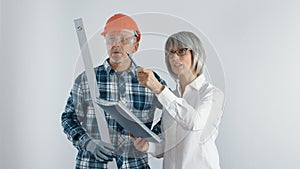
(79, 120)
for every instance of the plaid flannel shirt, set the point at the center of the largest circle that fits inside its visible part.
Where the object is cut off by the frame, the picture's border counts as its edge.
(79, 120)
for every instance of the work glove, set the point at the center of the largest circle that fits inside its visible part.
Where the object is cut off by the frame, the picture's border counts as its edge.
(101, 150)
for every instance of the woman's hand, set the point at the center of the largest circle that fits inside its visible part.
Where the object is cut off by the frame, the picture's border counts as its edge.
(147, 79)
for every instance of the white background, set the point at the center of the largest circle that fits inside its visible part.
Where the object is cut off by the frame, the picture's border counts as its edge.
(258, 45)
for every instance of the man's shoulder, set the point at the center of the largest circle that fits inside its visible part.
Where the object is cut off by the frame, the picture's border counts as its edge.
(82, 76)
(100, 68)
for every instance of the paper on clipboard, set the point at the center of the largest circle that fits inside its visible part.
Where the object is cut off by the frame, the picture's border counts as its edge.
(128, 120)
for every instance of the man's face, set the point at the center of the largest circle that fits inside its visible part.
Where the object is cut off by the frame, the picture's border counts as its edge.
(119, 43)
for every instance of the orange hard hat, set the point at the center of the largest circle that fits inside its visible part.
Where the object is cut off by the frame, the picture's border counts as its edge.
(121, 21)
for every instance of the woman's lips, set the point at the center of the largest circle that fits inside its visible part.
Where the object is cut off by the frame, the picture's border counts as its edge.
(177, 64)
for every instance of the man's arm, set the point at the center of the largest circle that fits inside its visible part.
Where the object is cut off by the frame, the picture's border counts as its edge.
(70, 121)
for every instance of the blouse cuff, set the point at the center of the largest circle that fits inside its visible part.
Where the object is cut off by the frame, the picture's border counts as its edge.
(166, 97)
(152, 148)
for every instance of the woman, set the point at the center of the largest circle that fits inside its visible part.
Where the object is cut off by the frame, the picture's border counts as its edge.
(192, 112)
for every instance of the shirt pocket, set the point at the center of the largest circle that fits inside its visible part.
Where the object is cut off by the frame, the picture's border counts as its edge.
(142, 98)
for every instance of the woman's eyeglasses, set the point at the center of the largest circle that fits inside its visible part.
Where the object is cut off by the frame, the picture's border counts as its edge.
(179, 52)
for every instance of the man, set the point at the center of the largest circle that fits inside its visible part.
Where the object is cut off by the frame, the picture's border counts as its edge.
(116, 80)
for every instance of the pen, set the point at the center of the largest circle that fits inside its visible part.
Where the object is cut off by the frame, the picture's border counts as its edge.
(133, 62)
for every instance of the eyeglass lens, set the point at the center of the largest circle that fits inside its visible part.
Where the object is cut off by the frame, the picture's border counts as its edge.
(179, 52)
(123, 39)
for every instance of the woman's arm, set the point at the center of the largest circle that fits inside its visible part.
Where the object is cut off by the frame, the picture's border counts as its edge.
(193, 111)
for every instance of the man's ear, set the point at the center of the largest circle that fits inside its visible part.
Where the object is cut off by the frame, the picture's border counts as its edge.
(136, 46)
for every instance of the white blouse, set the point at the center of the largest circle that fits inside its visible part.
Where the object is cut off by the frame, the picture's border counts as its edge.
(190, 126)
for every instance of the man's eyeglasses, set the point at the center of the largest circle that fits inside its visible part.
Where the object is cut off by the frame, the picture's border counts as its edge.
(125, 40)
(179, 52)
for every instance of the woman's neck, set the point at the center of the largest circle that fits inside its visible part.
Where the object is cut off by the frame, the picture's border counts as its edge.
(186, 79)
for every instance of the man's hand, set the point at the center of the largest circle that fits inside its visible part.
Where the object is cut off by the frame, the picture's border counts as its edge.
(101, 150)
(140, 144)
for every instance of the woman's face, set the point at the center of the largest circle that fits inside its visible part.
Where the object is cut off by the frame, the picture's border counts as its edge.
(180, 60)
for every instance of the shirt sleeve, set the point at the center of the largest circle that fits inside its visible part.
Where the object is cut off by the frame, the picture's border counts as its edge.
(157, 105)
(156, 149)
(191, 117)
(70, 120)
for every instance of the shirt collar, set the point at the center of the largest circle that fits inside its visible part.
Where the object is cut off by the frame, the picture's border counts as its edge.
(110, 70)
(107, 67)
(196, 83)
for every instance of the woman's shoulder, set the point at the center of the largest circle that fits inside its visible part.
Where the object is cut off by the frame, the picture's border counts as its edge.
(208, 89)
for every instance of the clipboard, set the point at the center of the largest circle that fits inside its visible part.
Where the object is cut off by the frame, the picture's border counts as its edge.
(128, 120)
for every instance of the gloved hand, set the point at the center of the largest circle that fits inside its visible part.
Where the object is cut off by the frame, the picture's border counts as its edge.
(101, 150)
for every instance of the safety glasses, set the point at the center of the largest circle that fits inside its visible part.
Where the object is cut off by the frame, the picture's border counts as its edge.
(125, 40)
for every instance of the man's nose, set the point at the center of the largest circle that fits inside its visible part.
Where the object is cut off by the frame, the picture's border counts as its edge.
(117, 42)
